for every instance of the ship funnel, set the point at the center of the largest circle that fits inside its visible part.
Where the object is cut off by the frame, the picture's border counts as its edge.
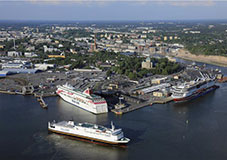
(68, 85)
(71, 123)
(88, 91)
(202, 75)
(112, 126)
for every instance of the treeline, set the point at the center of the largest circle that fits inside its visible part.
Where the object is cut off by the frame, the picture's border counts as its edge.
(131, 67)
(124, 65)
(164, 66)
(85, 60)
(208, 42)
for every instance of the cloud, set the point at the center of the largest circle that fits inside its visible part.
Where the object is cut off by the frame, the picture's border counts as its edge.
(80, 2)
(193, 3)
(180, 3)
(141, 2)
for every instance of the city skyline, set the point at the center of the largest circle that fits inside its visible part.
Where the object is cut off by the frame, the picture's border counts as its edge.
(112, 10)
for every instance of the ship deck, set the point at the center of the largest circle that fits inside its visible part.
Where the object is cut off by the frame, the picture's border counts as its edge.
(80, 93)
(85, 125)
(65, 124)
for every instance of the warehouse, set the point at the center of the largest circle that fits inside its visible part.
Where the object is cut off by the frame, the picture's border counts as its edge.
(3, 73)
(153, 88)
(20, 70)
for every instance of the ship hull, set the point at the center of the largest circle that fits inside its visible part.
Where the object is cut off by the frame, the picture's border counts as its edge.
(70, 100)
(80, 137)
(196, 95)
(88, 107)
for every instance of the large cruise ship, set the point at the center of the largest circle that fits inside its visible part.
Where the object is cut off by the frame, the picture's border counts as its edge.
(89, 131)
(193, 89)
(85, 100)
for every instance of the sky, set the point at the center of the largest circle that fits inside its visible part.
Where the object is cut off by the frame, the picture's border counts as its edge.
(73, 10)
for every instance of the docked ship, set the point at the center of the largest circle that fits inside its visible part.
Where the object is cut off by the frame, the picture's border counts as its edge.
(83, 99)
(193, 89)
(89, 131)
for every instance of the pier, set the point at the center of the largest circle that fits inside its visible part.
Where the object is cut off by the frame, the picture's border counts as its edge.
(39, 97)
(7, 92)
(134, 106)
(42, 102)
(223, 80)
(45, 95)
(162, 100)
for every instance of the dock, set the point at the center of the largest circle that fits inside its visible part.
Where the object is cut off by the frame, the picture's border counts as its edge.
(162, 100)
(42, 102)
(45, 95)
(134, 106)
(7, 92)
(223, 80)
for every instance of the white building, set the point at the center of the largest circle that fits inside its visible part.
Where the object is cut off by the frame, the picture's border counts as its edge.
(154, 88)
(86, 39)
(119, 41)
(30, 48)
(147, 63)
(30, 54)
(60, 45)
(14, 54)
(132, 47)
(51, 49)
(44, 66)
(12, 65)
(143, 36)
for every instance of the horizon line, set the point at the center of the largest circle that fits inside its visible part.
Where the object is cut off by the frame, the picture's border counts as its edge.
(60, 20)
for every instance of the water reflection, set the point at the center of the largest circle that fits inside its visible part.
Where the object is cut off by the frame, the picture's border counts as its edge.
(75, 149)
(68, 111)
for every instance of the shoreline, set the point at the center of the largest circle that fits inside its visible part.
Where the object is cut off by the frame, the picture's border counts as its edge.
(211, 59)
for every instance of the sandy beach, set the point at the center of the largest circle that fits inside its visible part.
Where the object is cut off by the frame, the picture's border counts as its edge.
(215, 60)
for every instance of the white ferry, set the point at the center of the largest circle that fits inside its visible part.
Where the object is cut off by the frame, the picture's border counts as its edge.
(85, 100)
(89, 131)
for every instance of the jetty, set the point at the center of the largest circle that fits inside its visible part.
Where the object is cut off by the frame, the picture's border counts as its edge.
(222, 80)
(27, 90)
(135, 106)
(7, 92)
(42, 102)
(45, 94)
(162, 100)
(132, 107)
